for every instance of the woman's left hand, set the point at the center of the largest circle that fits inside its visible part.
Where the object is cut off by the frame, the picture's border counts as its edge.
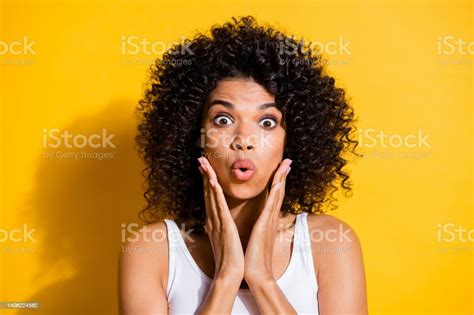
(259, 251)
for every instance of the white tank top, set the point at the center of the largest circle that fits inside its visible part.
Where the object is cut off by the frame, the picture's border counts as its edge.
(188, 284)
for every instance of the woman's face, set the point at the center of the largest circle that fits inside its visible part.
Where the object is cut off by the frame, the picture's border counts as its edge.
(240, 121)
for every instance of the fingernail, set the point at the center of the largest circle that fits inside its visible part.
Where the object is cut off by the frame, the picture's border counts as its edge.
(291, 161)
(212, 183)
(200, 170)
(288, 170)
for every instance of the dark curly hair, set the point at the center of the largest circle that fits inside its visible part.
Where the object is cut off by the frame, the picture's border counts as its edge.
(319, 121)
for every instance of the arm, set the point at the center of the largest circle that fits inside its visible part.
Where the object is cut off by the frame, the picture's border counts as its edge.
(220, 297)
(258, 268)
(142, 268)
(339, 265)
(270, 298)
(226, 246)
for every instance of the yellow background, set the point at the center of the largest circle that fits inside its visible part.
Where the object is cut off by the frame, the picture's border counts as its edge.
(80, 81)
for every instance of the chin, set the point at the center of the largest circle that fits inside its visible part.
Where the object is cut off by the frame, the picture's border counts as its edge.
(243, 191)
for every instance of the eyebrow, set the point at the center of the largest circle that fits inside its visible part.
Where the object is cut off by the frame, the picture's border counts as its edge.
(232, 106)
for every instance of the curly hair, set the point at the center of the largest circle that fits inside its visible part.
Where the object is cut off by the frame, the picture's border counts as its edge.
(319, 121)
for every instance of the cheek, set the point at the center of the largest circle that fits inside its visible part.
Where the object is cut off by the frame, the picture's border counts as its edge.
(272, 147)
(268, 155)
(216, 140)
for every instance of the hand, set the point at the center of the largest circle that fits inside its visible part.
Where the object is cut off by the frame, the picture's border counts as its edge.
(221, 229)
(259, 251)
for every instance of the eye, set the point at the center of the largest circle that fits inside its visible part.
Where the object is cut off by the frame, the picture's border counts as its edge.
(269, 120)
(222, 120)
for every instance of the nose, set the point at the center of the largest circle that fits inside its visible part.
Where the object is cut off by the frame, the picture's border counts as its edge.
(243, 143)
(245, 137)
(238, 146)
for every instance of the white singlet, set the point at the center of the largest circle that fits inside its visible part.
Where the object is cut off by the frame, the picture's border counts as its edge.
(188, 284)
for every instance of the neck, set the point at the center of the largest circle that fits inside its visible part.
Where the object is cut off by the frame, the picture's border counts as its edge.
(245, 213)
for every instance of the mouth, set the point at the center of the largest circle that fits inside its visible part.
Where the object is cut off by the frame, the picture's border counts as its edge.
(243, 173)
(243, 169)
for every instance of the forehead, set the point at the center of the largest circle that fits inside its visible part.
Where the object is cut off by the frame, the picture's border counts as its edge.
(240, 92)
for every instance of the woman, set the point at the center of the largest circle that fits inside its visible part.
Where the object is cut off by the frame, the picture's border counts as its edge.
(243, 134)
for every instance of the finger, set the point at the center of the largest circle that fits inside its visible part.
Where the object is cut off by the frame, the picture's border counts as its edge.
(275, 206)
(274, 200)
(283, 173)
(277, 178)
(222, 209)
(267, 210)
(267, 219)
(280, 195)
(283, 181)
(221, 204)
(207, 165)
(214, 206)
(285, 169)
(204, 176)
(207, 195)
(280, 171)
(218, 200)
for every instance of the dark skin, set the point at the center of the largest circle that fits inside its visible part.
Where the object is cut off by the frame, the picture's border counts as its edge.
(241, 247)
(243, 217)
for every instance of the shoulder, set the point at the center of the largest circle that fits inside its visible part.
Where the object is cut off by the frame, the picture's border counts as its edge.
(325, 229)
(143, 269)
(332, 241)
(338, 263)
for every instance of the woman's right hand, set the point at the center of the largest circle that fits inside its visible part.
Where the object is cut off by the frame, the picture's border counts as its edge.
(221, 229)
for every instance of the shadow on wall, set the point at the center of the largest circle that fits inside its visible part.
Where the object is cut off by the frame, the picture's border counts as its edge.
(78, 206)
